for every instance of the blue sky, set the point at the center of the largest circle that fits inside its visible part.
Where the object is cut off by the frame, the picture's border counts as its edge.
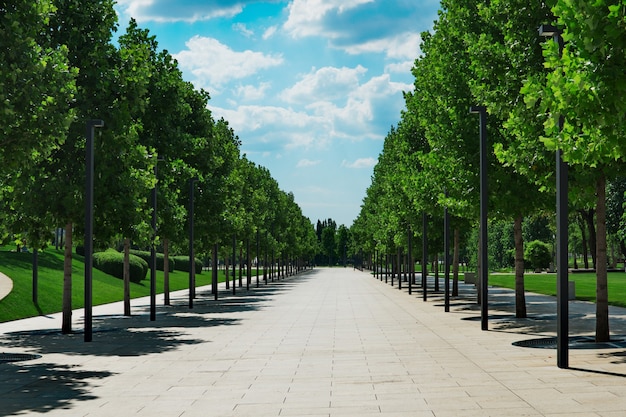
(311, 87)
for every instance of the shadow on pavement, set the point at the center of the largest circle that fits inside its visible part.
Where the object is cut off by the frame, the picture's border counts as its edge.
(25, 389)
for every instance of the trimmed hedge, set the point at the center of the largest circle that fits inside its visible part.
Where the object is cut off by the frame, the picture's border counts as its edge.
(112, 263)
(160, 259)
(182, 264)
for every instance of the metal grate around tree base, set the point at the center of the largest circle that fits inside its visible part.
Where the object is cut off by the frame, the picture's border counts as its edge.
(17, 357)
(575, 342)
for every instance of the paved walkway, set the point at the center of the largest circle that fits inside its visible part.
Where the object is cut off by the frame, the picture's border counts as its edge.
(6, 285)
(331, 342)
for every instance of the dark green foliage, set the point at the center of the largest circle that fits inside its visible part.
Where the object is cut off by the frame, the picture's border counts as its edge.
(145, 255)
(112, 262)
(182, 264)
(538, 254)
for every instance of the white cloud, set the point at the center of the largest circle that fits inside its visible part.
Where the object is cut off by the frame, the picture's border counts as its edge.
(269, 32)
(241, 27)
(190, 11)
(306, 16)
(251, 118)
(214, 64)
(327, 83)
(360, 163)
(305, 163)
(400, 67)
(251, 92)
(403, 46)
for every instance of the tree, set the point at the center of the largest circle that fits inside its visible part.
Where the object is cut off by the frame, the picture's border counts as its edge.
(37, 85)
(583, 88)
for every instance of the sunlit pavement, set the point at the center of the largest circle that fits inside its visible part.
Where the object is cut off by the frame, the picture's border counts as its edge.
(329, 342)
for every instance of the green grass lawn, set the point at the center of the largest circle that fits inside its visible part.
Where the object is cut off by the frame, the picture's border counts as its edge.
(106, 288)
(585, 285)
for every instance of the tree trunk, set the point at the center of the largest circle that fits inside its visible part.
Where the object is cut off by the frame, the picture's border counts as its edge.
(166, 271)
(583, 234)
(66, 326)
(602, 293)
(587, 216)
(127, 277)
(226, 272)
(455, 264)
(436, 269)
(520, 298)
(215, 272)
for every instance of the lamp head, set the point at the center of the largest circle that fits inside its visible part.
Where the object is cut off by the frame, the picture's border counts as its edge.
(548, 31)
(477, 109)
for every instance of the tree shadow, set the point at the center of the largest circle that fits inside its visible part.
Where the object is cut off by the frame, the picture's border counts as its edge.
(43, 387)
(119, 335)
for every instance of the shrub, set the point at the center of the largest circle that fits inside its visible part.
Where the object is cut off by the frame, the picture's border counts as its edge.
(538, 254)
(112, 263)
(182, 264)
(160, 259)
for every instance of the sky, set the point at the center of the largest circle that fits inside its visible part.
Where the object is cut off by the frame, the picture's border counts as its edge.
(310, 87)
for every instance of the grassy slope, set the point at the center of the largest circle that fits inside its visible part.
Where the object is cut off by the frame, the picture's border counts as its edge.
(18, 266)
(585, 285)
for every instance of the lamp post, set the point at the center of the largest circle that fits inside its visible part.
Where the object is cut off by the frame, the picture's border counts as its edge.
(446, 251)
(562, 313)
(91, 125)
(484, 267)
(424, 256)
(192, 256)
(410, 258)
(152, 248)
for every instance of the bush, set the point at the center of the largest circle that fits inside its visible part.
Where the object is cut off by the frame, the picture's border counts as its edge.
(112, 263)
(182, 264)
(160, 259)
(538, 254)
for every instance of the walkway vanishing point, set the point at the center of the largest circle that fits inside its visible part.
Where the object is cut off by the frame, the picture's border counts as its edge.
(329, 342)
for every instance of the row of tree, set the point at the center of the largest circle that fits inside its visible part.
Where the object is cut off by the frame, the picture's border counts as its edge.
(540, 98)
(60, 68)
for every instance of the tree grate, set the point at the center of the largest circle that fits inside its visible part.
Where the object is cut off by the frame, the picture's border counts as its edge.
(17, 357)
(574, 342)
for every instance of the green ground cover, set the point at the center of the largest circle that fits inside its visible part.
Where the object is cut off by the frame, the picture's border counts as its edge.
(106, 288)
(545, 283)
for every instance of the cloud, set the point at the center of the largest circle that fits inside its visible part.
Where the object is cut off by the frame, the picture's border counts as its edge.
(241, 27)
(360, 163)
(403, 46)
(251, 92)
(328, 83)
(363, 26)
(214, 64)
(181, 11)
(400, 67)
(269, 32)
(306, 17)
(305, 163)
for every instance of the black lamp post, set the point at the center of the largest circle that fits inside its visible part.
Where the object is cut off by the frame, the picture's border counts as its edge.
(424, 256)
(192, 256)
(446, 252)
(484, 267)
(91, 125)
(152, 248)
(562, 313)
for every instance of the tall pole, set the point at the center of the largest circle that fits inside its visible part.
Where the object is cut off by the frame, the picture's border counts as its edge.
(91, 125)
(234, 263)
(192, 256)
(484, 266)
(410, 258)
(153, 249)
(257, 258)
(425, 256)
(446, 252)
(562, 307)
